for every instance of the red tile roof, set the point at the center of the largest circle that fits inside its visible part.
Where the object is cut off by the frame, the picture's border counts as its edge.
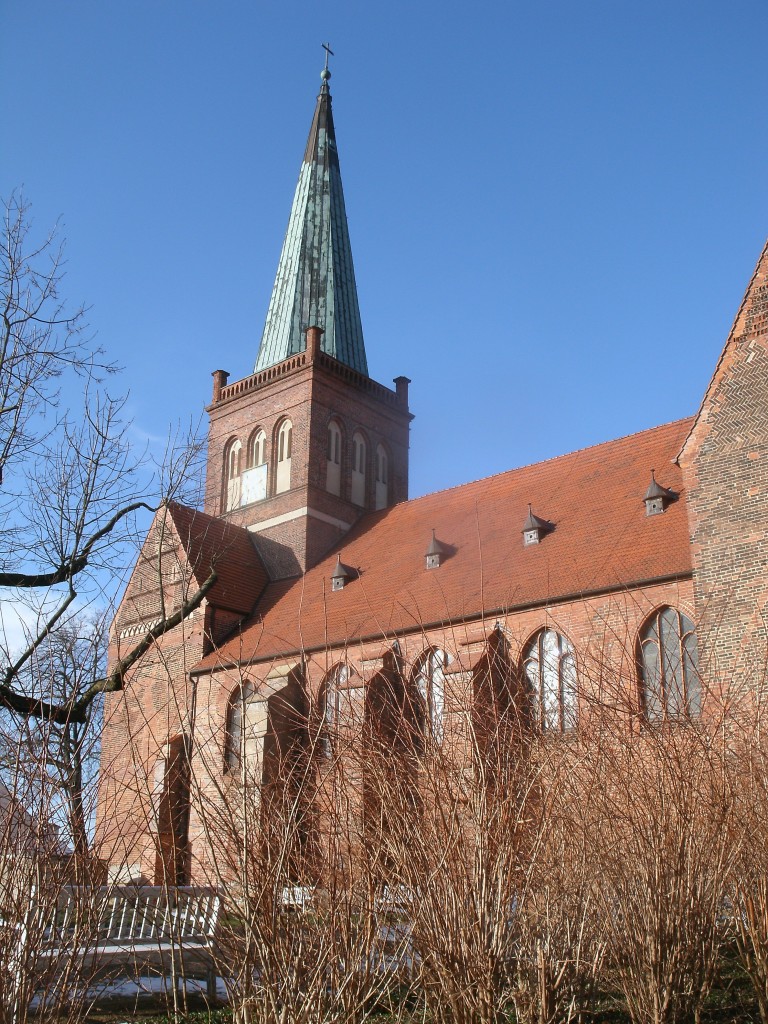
(216, 544)
(602, 540)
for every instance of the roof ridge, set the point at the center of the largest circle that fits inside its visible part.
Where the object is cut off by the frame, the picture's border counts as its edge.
(542, 462)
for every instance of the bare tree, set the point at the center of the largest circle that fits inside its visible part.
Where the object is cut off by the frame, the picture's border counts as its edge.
(66, 754)
(72, 486)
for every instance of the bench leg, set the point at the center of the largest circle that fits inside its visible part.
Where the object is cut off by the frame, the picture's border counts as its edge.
(210, 985)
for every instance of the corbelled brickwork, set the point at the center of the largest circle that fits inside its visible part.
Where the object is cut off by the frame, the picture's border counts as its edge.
(725, 464)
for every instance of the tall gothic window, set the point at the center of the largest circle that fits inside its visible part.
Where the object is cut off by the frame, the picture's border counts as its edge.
(429, 685)
(247, 720)
(284, 448)
(550, 669)
(382, 477)
(342, 706)
(232, 459)
(671, 686)
(358, 468)
(333, 459)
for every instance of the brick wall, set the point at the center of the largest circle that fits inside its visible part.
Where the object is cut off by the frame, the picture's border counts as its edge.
(309, 391)
(603, 631)
(725, 465)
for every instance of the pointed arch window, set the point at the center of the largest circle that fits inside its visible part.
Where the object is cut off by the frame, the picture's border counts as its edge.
(429, 686)
(359, 453)
(170, 805)
(257, 449)
(284, 449)
(382, 477)
(550, 668)
(342, 705)
(254, 477)
(669, 667)
(232, 459)
(333, 459)
(247, 721)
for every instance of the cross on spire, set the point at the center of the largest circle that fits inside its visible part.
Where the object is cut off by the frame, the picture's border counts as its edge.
(328, 53)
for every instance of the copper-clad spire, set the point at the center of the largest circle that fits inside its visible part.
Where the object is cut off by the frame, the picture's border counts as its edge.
(315, 281)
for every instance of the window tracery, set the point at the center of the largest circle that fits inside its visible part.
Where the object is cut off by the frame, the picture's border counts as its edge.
(669, 670)
(550, 668)
(429, 685)
(247, 721)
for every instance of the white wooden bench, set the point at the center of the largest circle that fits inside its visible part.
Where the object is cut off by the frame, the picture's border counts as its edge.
(133, 926)
(296, 897)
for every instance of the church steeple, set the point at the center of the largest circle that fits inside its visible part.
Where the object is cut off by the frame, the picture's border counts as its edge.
(315, 281)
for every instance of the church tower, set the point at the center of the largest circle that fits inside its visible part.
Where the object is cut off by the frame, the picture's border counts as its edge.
(300, 449)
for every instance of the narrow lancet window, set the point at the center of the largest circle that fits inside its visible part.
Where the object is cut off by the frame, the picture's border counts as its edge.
(358, 468)
(333, 459)
(382, 477)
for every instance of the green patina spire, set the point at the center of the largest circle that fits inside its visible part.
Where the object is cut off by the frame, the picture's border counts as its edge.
(315, 281)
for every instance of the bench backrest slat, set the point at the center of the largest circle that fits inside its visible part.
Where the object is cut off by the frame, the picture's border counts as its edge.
(135, 914)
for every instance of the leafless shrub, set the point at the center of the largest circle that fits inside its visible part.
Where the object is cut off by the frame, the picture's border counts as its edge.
(656, 815)
(748, 883)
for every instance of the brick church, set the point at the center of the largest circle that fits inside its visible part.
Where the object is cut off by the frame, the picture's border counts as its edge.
(634, 572)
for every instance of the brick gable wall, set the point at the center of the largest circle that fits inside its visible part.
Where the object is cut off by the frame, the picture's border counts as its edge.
(725, 465)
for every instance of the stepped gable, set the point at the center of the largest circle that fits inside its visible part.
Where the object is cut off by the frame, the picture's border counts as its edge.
(216, 544)
(601, 540)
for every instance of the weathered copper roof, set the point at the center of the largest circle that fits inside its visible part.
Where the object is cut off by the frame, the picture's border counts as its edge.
(315, 281)
(603, 542)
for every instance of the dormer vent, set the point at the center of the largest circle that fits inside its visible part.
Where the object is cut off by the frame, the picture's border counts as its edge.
(341, 575)
(434, 553)
(534, 528)
(657, 497)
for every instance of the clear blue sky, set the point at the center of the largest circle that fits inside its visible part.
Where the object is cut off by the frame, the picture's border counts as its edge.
(554, 207)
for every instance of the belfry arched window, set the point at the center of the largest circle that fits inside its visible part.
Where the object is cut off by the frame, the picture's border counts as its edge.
(669, 667)
(254, 476)
(382, 477)
(284, 449)
(232, 459)
(333, 459)
(429, 686)
(247, 720)
(359, 455)
(550, 668)
(257, 449)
